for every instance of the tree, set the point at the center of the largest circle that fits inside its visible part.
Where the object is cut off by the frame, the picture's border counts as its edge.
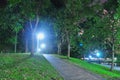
(21, 12)
(31, 11)
(11, 20)
(73, 14)
(111, 8)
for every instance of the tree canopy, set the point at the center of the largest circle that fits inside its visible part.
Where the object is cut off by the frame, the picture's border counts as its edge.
(79, 25)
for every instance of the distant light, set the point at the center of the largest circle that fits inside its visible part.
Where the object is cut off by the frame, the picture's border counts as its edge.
(43, 45)
(40, 36)
(90, 56)
(97, 54)
(81, 44)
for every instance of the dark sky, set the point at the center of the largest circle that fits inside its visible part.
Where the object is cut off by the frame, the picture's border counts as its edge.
(58, 3)
(3, 3)
(61, 3)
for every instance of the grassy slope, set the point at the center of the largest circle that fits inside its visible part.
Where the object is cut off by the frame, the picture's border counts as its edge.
(98, 69)
(23, 67)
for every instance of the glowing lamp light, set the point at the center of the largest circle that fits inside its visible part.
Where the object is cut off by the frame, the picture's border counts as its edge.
(90, 56)
(40, 36)
(98, 54)
(81, 44)
(42, 45)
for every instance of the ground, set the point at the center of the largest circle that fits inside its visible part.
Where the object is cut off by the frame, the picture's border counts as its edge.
(24, 67)
(70, 71)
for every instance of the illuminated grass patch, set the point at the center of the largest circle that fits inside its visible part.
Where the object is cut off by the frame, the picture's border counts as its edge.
(95, 68)
(24, 67)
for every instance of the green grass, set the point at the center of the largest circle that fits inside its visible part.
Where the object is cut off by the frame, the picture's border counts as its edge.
(95, 68)
(24, 67)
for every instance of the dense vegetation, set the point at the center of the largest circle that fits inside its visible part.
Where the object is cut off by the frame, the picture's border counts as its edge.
(74, 27)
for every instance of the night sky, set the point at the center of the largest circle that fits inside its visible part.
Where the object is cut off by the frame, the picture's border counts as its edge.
(57, 3)
(3, 3)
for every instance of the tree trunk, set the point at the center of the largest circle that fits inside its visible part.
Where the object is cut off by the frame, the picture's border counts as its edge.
(113, 47)
(113, 53)
(15, 48)
(68, 41)
(32, 50)
(59, 48)
(33, 29)
(68, 50)
(26, 46)
(112, 64)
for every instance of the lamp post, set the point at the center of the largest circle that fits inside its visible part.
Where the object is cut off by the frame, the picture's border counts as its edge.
(42, 45)
(40, 36)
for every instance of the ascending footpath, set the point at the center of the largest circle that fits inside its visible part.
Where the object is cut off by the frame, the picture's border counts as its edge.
(69, 71)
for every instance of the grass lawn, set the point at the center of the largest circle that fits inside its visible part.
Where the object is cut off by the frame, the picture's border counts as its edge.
(23, 67)
(95, 68)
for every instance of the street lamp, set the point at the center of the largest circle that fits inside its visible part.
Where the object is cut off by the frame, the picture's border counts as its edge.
(97, 54)
(40, 36)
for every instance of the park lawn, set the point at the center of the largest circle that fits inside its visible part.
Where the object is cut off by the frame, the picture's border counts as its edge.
(95, 68)
(23, 67)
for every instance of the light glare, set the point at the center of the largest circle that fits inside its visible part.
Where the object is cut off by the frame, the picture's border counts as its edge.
(40, 36)
(98, 54)
(90, 56)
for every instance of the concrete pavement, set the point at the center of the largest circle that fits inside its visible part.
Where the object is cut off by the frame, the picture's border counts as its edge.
(69, 71)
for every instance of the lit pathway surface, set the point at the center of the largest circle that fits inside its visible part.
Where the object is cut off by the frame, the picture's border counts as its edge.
(69, 71)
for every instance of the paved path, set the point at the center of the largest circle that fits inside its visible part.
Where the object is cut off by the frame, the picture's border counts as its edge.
(69, 71)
